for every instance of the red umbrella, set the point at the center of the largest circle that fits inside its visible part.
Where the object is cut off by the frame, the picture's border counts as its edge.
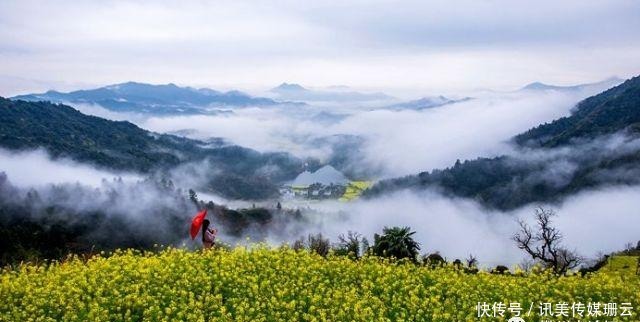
(196, 223)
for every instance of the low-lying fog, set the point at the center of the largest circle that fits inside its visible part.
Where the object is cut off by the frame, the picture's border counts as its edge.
(395, 143)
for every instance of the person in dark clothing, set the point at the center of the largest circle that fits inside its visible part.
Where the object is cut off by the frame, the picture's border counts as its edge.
(208, 234)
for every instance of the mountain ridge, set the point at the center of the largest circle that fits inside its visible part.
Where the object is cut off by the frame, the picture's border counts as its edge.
(540, 86)
(153, 99)
(235, 172)
(426, 103)
(610, 111)
(597, 145)
(297, 92)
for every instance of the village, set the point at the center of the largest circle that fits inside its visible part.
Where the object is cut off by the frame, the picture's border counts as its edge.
(326, 183)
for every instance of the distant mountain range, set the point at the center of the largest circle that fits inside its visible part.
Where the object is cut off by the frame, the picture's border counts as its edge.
(295, 92)
(597, 145)
(232, 171)
(425, 103)
(154, 99)
(599, 86)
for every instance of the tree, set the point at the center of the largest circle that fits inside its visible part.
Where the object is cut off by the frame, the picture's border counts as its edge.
(396, 242)
(298, 244)
(314, 243)
(472, 261)
(544, 244)
(472, 265)
(319, 244)
(193, 196)
(500, 269)
(434, 260)
(352, 245)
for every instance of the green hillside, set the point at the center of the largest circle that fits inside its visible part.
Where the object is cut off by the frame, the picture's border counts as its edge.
(611, 111)
(65, 132)
(508, 182)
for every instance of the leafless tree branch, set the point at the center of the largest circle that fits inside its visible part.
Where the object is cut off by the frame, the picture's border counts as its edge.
(545, 243)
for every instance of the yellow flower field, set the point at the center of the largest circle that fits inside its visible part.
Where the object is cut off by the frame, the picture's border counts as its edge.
(265, 284)
(355, 189)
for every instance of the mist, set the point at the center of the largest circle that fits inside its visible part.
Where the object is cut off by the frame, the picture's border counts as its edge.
(142, 211)
(591, 222)
(36, 168)
(395, 143)
(391, 143)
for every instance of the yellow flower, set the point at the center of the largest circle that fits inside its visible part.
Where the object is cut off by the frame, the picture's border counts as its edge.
(257, 283)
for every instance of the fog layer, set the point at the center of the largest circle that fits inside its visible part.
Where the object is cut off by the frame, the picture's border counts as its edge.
(394, 143)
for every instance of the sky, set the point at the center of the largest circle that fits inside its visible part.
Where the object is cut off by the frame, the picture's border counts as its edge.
(426, 46)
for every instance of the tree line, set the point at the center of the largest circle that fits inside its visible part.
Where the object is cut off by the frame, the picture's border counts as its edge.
(542, 242)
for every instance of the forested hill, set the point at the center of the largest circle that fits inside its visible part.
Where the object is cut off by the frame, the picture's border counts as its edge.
(600, 147)
(65, 132)
(608, 112)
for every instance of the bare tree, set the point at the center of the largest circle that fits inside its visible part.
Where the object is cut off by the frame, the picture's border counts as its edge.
(352, 245)
(318, 244)
(544, 244)
(472, 265)
(472, 261)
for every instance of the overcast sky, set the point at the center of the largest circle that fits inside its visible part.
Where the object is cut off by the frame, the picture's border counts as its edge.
(431, 46)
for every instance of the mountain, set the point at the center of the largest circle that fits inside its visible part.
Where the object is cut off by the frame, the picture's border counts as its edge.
(425, 103)
(597, 145)
(286, 87)
(611, 111)
(599, 86)
(152, 99)
(296, 92)
(232, 171)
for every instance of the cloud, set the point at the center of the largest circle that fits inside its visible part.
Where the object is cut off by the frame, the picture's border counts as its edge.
(89, 206)
(36, 168)
(454, 227)
(257, 128)
(100, 111)
(603, 220)
(408, 142)
(478, 24)
(379, 44)
(591, 222)
(395, 143)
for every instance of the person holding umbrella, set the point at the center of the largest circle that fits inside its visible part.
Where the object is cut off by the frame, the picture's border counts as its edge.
(208, 234)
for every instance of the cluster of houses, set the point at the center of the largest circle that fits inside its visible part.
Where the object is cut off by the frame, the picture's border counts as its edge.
(313, 191)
